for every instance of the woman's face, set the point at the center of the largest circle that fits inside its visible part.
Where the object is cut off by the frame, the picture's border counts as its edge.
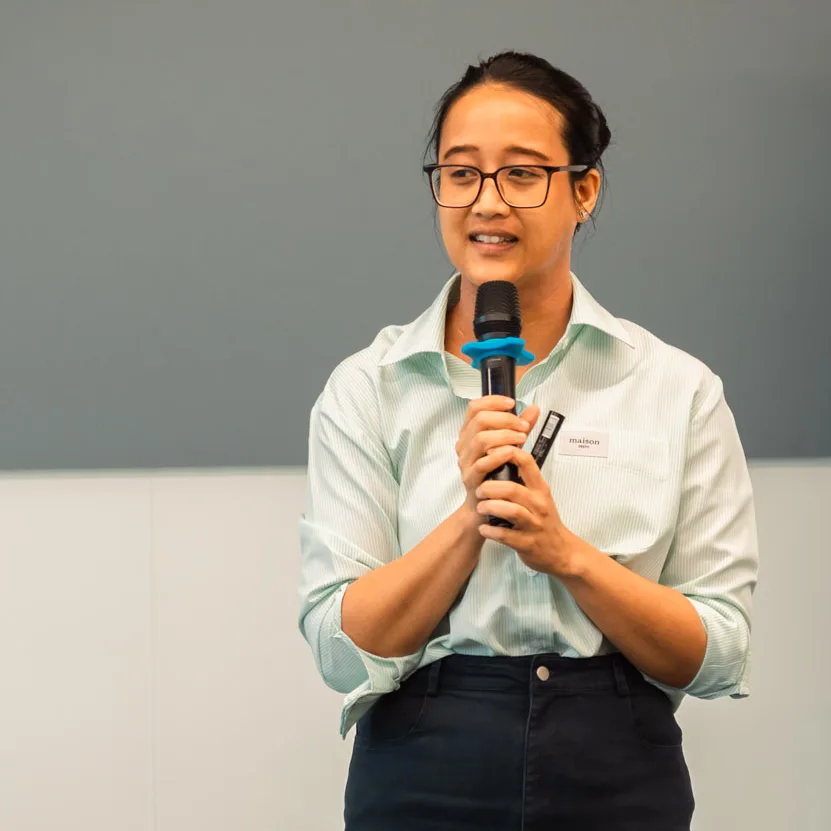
(489, 127)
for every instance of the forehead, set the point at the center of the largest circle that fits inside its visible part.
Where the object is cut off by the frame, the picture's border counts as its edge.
(492, 117)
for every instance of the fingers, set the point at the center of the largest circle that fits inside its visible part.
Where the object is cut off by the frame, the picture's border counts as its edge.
(490, 432)
(488, 440)
(516, 492)
(497, 492)
(527, 468)
(476, 472)
(496, 415)
(517, 514)
(490, 429)
(490, 402)
(492, 460)
(516, 502)
(496, 489)
(489, 412)
(489, 424)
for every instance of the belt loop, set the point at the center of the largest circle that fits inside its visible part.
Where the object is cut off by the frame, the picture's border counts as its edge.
(433, 677)
(621, 682)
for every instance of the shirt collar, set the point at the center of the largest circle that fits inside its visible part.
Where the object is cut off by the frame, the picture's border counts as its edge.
(426, 332)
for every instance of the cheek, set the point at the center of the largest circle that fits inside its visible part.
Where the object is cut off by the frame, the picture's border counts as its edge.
(552, 224)
(451, 224)
(543, 232)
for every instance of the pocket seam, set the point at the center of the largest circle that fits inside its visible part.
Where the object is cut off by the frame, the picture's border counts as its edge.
(631, 458)
(644, 741)
(370, 741)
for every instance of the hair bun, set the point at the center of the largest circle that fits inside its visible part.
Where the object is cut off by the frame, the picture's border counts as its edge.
(604, 135)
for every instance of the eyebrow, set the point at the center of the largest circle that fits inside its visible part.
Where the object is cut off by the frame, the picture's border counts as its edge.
(514, 149)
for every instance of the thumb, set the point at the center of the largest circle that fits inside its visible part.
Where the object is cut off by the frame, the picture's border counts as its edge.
(531, 414)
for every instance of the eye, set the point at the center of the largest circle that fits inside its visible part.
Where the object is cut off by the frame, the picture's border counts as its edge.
(525, 174)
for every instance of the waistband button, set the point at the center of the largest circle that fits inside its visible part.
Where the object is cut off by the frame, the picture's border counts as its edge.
(543, 674)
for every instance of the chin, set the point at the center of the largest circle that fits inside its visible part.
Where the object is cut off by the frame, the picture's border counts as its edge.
(482, 272)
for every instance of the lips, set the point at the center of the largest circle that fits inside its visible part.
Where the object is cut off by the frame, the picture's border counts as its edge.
(491, 238)
(497, 245)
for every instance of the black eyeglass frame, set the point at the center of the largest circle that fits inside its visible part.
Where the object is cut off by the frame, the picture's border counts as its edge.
(549, 169)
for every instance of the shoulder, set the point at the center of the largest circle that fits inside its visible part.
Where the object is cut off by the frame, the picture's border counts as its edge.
(670, 366)
(352, 387)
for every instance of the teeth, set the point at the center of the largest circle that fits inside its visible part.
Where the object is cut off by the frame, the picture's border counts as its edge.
(484, 238)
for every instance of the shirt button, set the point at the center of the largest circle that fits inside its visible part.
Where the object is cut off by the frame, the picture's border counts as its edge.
(543, 674)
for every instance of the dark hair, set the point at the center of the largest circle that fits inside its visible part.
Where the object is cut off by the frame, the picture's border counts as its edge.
(585, 132)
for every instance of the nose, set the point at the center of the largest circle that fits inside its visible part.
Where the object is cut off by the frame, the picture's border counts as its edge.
(490, 203)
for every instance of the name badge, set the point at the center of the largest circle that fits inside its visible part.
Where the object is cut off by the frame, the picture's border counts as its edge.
(584, 443)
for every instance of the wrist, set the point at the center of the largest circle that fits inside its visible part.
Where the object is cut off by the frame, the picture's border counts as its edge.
(468, 521)
(573, 556)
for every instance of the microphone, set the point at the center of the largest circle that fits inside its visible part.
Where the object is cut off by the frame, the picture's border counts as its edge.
(498, 348)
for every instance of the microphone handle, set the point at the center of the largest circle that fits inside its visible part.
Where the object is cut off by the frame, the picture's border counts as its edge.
(499, 378)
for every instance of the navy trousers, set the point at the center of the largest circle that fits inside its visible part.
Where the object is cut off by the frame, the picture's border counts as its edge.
(520, 744)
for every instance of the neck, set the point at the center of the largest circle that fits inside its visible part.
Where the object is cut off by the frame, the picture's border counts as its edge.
(545, 304)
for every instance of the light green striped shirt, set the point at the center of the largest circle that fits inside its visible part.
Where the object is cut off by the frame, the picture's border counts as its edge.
(669, 495)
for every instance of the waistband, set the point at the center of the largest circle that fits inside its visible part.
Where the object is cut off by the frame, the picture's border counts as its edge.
(510, 673)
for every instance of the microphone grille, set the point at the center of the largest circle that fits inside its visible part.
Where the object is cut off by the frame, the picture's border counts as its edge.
(497, 311)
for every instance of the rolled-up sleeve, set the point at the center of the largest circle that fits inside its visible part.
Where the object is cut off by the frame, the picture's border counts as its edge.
(349, 528)
(714, 559)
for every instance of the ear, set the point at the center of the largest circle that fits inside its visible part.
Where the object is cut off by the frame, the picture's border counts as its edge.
(587, 190)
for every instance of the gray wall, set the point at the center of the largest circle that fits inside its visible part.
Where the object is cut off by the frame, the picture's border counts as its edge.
(207, 205)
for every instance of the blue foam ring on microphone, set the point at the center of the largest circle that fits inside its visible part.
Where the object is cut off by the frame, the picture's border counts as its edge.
(514, 348)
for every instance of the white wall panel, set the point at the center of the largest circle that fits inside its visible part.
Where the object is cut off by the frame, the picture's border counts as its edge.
(154, 677)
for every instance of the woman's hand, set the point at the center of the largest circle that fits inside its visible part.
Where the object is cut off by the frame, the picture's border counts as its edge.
(539, 536)
(489, 433)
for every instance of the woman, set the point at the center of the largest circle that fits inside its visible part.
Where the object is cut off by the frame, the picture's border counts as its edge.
(525, 677)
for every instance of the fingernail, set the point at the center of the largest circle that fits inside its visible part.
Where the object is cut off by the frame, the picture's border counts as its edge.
(525, 424)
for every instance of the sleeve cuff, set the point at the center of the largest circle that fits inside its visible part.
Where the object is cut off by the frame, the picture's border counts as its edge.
(725, 669)
(383, 674)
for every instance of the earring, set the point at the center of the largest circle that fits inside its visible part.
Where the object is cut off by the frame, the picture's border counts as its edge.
(583, 214)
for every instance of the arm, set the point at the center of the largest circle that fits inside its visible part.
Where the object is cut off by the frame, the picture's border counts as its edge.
(366, 611)
(654, 626)
(392, 610)
(692, 629)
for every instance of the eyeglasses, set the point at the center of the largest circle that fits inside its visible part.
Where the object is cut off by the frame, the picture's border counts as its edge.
(520, 186)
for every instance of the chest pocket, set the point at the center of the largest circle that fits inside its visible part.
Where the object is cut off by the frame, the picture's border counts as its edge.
(620, 504)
